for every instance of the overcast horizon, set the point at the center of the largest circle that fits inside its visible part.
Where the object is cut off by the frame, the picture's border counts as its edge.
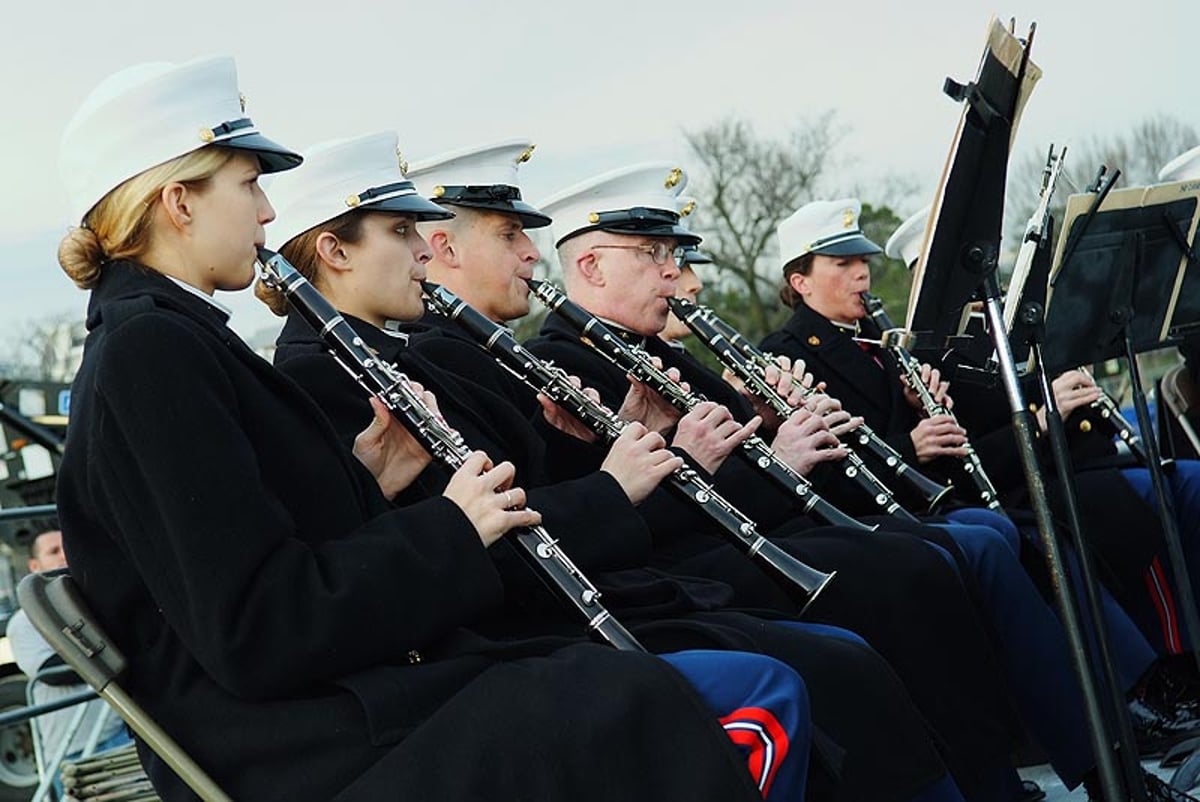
(593, 90)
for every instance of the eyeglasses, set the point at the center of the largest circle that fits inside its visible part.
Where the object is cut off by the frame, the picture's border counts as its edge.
(657, 251)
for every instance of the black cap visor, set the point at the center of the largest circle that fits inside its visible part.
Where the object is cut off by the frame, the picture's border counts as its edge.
(638, 220)
(855, 246)
(493, 198)
(529, 216)
(272, 157)
(419, 207)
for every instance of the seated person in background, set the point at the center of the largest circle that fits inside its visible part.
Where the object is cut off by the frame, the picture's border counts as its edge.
(33, 655)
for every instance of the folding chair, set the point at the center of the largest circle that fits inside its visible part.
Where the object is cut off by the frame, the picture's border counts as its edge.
(1182, 399)
(57, 610)
(49, 755)
(115, 775)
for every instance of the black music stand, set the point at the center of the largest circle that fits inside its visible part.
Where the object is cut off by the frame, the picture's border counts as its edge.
(1116, 291)
(958, 262)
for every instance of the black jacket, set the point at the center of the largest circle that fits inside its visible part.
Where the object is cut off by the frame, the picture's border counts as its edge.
(1111, 510)
(926, 628)
(292, 630)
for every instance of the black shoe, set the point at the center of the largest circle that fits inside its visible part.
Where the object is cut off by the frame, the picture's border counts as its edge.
(1163, 712)
(1031, 791)
(1156, 791)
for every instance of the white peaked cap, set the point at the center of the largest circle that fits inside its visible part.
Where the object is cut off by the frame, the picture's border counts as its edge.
(480, 177)
(148, 114)
(692, 255)
(640, 199)
(1183, 167)
(824, 227)
(906, 241)
(340, 176)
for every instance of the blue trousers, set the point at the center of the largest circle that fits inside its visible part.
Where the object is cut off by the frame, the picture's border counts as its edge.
(1032, 646)
(1184, 485)
(1132, 652)
(763, 706)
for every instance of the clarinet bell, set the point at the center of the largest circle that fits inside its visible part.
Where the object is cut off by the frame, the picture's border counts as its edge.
(817, 581)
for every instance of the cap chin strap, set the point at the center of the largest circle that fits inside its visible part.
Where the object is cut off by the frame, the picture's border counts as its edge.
(638, 216)
(381, 193)
(480, 193)
(229, 130)
(834, 239)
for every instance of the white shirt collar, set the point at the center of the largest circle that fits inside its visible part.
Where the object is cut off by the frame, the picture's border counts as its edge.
(392, 329)
(619, 328)
(213, 302)
(852, 329)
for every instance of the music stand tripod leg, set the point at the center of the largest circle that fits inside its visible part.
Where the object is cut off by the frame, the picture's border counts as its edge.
(1110, 774)
(1056, 429)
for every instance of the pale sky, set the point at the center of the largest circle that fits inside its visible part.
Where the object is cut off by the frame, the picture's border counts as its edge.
(595, 85)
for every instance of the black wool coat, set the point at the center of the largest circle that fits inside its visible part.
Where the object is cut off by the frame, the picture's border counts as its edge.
(665, 612)
(299, 637)
(891, 588)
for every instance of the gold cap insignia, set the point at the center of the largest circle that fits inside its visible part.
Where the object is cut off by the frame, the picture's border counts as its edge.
(403, 164)
(206, 135)
(1085, 426)
(673, 177)
(439, 191)
(848, 218)
(527, 155)
(594, 217)
(814, 340)
(242, 101)
(353, 201)
(688, 208)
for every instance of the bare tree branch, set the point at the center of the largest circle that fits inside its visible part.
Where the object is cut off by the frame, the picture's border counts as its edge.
(745, 187)
(1139, 154)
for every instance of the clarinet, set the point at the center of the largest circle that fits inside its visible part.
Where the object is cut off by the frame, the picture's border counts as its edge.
(636, 362)
(892, 339)
(545, 377)
(384, 382)
(748, 362)
(1111, 413)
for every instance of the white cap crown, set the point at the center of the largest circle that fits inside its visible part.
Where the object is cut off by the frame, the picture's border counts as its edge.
(148, 114)
(1183, 167)
(692, 255)
(824, 227)
(340, 176)
(640, 199)
(480, 177)
(906, 241)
